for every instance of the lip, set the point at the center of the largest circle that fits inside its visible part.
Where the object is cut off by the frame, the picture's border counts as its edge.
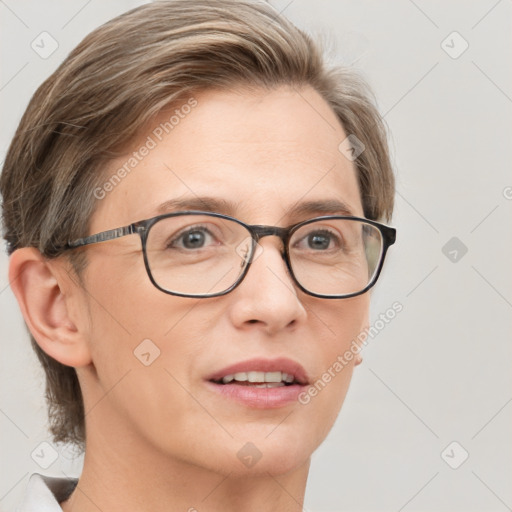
(261, 398)
(282, 364)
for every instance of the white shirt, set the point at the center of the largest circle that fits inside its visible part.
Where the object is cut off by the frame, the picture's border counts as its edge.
(44, 493)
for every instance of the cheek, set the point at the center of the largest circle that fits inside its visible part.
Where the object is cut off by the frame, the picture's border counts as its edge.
(341, 322)
(133, 324)
(142, 349)
(125, 303)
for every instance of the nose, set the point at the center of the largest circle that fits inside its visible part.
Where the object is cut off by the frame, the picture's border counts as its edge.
(267, 297)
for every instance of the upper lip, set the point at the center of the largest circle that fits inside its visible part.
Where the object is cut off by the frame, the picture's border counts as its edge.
(281, 364)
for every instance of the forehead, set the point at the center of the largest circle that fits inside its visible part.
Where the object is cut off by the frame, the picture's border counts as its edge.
(263, 151)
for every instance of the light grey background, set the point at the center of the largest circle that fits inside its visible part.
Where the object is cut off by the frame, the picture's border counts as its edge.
(439, 372)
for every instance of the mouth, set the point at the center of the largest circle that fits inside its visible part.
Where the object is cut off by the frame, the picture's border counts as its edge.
(258, 379)
(260, 383)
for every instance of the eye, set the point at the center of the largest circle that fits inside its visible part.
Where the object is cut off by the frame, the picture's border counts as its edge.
(194, 238)
(319, 240)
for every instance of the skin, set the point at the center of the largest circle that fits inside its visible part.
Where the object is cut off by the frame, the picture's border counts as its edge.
(157, 438)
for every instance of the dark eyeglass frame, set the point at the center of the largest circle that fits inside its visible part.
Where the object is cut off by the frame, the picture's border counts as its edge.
(256, 231)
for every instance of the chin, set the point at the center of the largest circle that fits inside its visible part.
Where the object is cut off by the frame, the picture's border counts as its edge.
(276, 450)
(250, 455)
(272, 462)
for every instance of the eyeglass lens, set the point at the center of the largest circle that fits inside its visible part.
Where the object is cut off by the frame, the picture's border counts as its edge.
(207, 255)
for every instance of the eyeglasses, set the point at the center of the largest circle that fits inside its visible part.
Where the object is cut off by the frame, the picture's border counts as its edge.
(205, 254)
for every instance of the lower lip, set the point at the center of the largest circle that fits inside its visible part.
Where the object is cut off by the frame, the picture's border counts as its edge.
(259, 398)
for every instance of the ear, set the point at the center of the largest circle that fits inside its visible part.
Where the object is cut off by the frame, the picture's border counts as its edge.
(47, 297)
(358, 359)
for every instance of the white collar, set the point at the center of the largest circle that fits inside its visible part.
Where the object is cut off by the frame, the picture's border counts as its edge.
(44, 493)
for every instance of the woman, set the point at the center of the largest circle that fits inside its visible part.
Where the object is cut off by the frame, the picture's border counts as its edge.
(192, 204)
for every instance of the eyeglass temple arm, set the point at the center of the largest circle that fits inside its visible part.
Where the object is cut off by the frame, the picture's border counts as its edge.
(111, 234)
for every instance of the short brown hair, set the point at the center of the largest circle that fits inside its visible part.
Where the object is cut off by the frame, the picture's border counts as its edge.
(118, 79)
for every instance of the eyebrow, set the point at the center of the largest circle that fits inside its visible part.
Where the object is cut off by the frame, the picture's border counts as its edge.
(211, 204)
(326, 207)
(205, 204)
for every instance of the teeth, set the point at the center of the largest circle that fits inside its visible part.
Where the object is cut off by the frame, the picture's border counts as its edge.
(269, 385)
(262, 378)
(256, 376)
(273, 377)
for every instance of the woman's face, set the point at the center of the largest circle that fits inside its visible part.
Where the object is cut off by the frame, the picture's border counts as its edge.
(264, 153)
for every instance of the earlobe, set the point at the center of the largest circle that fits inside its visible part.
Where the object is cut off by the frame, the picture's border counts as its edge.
(358, 359)
(40, 289)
